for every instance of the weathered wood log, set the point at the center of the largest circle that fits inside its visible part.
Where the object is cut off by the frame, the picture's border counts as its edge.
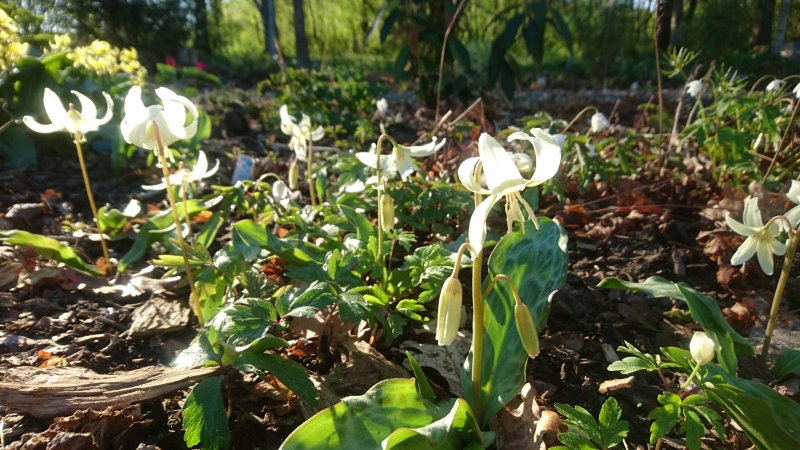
(58, 391)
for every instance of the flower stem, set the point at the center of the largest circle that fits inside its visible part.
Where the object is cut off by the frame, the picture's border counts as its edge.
(477, 328)
(689, 380)
(380, 189)
(312, 188)
(194, 299)
(791, 248)
(91, 200)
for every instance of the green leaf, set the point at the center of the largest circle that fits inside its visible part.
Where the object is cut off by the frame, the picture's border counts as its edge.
(612, 429)
(423, 386)
(360, 222)
(580, 421)
(49, 248)
(364, 422)
(666, 417)
(536, 262)
(704, 310)
(204, 418)
(693, 428)
(770, 420)
(17, 148)
(788, 363)
(353, 307)
(574, 441)
(629, 365)
(713, 418)
(292, 374)
(455, 431)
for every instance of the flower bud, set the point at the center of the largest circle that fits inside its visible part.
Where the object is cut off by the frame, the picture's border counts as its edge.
(386, 212)
(293, 171)
(702, 348)
(449, 317)
(523, 162)
(599, 122)
(526, 329)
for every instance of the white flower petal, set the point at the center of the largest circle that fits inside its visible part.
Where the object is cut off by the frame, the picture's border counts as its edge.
(794, 192)
(752, 214)
(764, 258)
(745, 252)
(548, 156)
(793, 216)
(419, 151)
(287, 120)
(317, 134)
(739, 227)
(402, 164)
(477, 223)
(469, 175)
(88, 110)
(500, 170)
(31, 123)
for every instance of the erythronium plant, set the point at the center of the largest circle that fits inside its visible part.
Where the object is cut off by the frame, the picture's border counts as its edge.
(77, 123)
(762, 240)
(302, 142)
(155, 127)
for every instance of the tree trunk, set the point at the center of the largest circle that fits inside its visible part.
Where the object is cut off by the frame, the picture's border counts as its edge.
(690, 11)
(300, 37)
(266, 9)
(677, 21)
(783, 22)
(201, 42)
(766, 16)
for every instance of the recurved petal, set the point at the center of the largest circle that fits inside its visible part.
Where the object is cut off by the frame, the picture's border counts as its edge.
(402, 165)
(369, 159)
(31, 123)
(419, 151)
(477, 223)
(109, 110)
(134, 107)
(55, 110)
(777, 247)
(469, 175)
(794, 191)
(287, 120)
(745, 252)
(793, 216)
(317, 134)
(764, 257)
(88, 110)
(498, 167)
(739, 227)
(752, 214)
(548, 156)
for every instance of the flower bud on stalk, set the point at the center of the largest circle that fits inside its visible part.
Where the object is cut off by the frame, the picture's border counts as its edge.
(702, 348)
(386, 212)
(526, 329)
(449, 311)
(293, 173)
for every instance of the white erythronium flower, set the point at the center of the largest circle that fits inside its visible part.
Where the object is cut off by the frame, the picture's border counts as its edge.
(599, 122)
(702, 348)
(399, 161)
(300, 132)
(182, 177)
(695, 88)
(775, 85)
(504, 180)
(761, 240)
(793, 215)
(140, 123)
(796, 91)
(77, 123)
(383, 107)
(281, 193)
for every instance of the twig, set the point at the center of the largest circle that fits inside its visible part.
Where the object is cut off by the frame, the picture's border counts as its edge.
(441, 56)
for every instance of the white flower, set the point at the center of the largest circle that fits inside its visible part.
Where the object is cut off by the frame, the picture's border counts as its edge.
(300, 132)
(599, 122)
(761, 240)
(182, 177)
(702, 348)
(796, 91)
(695, 88)
(399, 161)
(523, 162)
(793, 215)
(140, 123)
(352, 244)
(504, 180)
(281, 193)
(383, 107)
(775, 85)
(77, 123)
(330, 229)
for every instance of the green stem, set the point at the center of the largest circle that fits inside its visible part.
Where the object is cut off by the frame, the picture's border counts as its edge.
(477, 328)
(380, 189)
(88, 187)
(309, 174)
(791, 248)
(194, 299)
(689, 380)
(578, 116)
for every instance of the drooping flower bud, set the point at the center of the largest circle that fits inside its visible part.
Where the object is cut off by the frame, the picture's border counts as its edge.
(526, 329)
(702, 348)
(449, 311)
(386, 212)
(293, 172)
(599, 122)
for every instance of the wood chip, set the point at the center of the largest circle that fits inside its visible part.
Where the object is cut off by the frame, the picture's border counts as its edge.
(157, 316)
(615, 384)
